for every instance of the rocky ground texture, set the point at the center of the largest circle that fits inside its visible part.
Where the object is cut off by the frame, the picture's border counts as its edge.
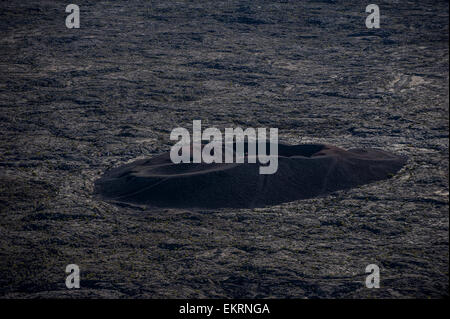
(75, 102)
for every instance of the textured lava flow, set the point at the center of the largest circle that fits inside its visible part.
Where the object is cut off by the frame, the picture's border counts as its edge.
(304, 171)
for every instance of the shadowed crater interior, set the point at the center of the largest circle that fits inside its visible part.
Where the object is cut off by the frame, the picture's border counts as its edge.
(304, 171)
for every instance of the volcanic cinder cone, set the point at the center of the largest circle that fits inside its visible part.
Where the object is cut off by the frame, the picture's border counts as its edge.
(304, 171)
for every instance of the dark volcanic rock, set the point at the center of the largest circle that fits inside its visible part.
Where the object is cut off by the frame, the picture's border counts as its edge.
(75, 103)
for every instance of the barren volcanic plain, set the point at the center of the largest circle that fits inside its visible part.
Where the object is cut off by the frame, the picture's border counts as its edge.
(77, 102)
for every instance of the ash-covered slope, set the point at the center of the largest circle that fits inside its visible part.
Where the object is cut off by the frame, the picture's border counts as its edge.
(304, 171)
